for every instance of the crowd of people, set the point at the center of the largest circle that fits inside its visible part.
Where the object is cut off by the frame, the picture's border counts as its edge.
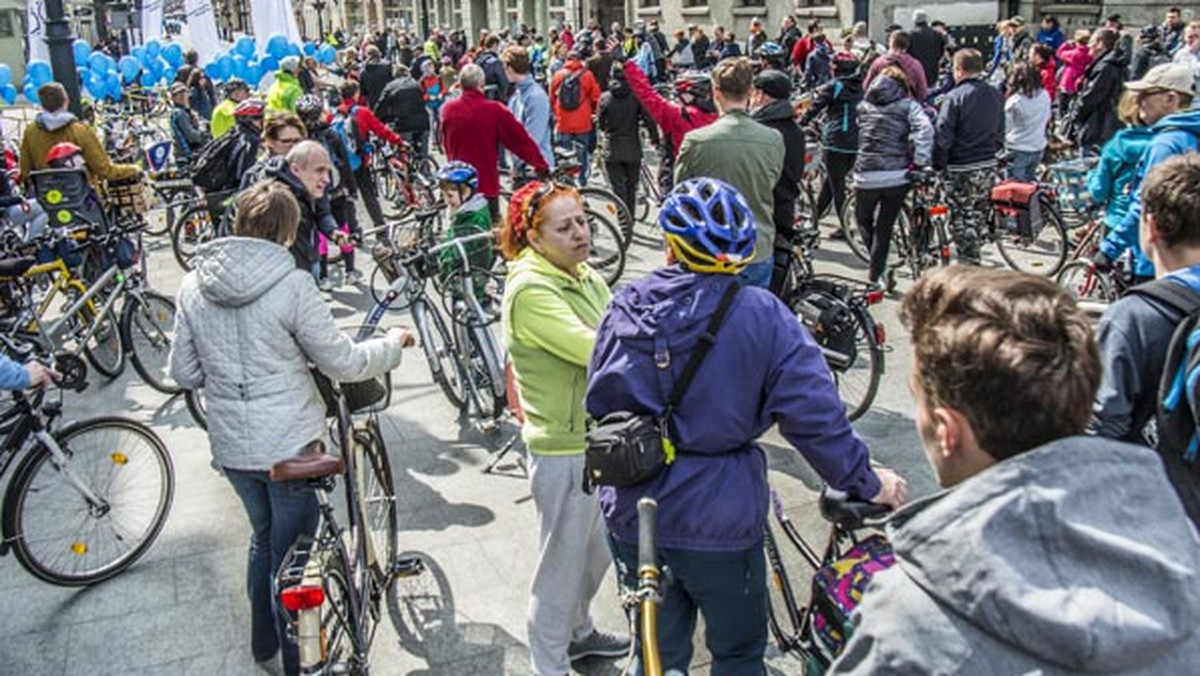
(1024, 564)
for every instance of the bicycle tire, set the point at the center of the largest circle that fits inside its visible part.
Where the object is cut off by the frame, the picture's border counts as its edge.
(23, 502)
(377, 495)
(1047, 253)
(783, 612)
(1081, 279)
(606, 202)
(194, 227)
(147, 328)
(104, 351)
(608, 254)
(197, 407)
(168, 203)
(643, 203)
(857, 375)
(485, 379)
(336, 620)
(849, 226)
(378, 285)
(440, 352)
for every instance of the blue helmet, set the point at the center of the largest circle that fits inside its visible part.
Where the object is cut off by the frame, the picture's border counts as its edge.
(708, 226)
(459, 173)
(769, 49)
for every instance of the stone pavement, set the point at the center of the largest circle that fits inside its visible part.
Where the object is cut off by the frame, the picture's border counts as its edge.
(182, 608)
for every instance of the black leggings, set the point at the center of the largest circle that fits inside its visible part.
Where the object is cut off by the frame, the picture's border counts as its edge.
(369, 193)
(624, 179)
(875, 211)
(837, 168)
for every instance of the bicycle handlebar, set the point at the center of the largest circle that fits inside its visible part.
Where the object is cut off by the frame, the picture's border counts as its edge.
(647, 510)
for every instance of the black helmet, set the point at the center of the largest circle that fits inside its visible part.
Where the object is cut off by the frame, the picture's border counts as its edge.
(310, 108)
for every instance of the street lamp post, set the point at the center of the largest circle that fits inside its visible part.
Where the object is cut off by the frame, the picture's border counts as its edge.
(425, 19)
(62, 61)
(319, 5)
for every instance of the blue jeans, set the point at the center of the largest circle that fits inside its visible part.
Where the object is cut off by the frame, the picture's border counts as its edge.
(1024, 165)
(279, 512)
(758, 274)
(729, 588)
(580, 143)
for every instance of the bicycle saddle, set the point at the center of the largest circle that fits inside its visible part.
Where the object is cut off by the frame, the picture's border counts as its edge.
(312, 463)
(847, 512)
(15, 267)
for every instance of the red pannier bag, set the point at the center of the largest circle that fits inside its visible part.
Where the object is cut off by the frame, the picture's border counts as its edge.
(1017, 208)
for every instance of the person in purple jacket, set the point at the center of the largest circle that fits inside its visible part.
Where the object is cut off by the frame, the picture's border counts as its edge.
(764, 368)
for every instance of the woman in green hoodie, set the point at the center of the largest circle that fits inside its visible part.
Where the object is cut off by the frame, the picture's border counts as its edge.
(553, 303)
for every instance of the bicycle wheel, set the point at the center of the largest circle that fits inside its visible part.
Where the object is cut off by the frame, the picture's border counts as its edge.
(783, 611)
(849, 226)
(643, 202)
(61, 538)
(194, 227)
(377, 500)
(165, 208)
(606, 202)
(147, 327)
(440, 352)
(847, 336)
(196, 406)
(1043, 254)
(608, 252)
(485, 378)
(1081, 279)
(103, 350)
(337, 633)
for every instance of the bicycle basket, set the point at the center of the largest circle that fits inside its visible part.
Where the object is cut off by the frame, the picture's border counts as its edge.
(370, 395)
(838, 588)
(1070, 180)
(130, 195)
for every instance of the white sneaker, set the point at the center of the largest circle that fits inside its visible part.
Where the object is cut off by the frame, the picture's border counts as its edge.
(326, 284)
(353, 277)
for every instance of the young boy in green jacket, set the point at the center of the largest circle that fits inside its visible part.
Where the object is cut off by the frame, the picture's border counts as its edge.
(459, 183)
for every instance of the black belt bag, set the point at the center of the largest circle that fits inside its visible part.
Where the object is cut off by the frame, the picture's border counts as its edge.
(624, 449)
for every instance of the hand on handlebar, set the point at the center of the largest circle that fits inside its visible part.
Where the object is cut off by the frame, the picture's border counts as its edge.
(41, 375)
(403, 336)
(1101, 261)
(893, 489)
(340, 238)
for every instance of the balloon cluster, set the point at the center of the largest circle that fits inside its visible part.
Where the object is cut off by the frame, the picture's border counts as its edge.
(243, 62)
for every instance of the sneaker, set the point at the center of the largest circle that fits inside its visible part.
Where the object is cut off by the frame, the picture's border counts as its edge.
(599, 644)
(326, 284)
(353, 277)
(875, 286)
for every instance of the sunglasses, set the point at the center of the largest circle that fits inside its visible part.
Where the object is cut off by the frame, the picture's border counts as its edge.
(538, 196)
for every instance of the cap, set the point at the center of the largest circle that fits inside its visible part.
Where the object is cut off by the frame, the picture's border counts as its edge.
(1174, 77)
(920, 16)
(290, 63)
(178, 88)
(1018, 19)
(774, 83)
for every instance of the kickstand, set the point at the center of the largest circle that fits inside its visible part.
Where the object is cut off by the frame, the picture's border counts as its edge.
(504, 450)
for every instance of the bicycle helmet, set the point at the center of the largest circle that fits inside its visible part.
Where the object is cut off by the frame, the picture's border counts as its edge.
(769, 50)
(708, 226)
(697, 85)
(250, 109)
(459, 173)
(310, 108)
(61, 154)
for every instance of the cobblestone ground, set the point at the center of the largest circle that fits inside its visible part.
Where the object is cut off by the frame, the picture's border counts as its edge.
(182, 609)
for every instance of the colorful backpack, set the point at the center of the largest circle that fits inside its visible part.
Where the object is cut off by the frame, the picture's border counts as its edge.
(838, 589)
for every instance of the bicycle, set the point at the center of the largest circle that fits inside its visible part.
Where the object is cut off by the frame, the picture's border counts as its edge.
(641, 604)
(199, 223)
(836, 311)
(406, 183)
(87, 500)
(330, 586)
(793, 625)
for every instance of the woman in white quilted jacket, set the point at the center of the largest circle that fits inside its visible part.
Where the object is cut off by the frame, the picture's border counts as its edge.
(248, 325)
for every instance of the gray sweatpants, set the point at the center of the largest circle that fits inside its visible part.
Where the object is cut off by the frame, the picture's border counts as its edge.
(572, 562)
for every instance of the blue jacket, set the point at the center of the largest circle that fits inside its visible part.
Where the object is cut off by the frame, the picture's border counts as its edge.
(763, 369)
(1109, 185)
(1173, 135)
(530, 104)
(1051, 38)
(13, 376)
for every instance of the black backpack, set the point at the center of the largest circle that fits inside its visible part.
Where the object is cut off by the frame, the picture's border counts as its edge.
(570, 92)
(1177, 418)
(210, 166)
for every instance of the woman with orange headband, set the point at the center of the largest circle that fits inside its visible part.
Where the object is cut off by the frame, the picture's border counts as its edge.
(553, 302)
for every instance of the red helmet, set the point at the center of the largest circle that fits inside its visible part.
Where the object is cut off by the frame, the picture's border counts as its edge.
(62, 152)
(252, 108)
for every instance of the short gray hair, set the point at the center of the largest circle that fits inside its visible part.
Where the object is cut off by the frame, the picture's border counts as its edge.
(305, 152)
(472, 76)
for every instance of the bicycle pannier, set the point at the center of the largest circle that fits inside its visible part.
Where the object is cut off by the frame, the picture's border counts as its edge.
(1017, 208)
(838, 589)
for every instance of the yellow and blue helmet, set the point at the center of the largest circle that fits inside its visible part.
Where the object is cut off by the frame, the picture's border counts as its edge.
(708, 226)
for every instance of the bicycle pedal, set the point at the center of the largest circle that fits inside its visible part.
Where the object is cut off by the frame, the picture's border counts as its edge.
(410, 566)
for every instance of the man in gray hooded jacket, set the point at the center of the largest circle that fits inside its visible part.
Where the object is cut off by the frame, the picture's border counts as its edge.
(1048, 552)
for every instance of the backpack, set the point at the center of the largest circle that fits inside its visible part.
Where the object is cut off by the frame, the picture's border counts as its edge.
(1178, 395)
(346, 128)
(210, 166)
(1017, 208)
(570, 92)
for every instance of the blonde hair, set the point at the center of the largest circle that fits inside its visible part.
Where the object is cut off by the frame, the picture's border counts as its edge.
(267, 210)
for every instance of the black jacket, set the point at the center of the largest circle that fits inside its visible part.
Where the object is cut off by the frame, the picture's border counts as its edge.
(788, 39)
(1146, 58)
(778, 116)
(601, 66)
(495, 82)
(970, 125)
(402, 105)
(243, 156)
(315, 214)
(373, 78)
(187, 135)
(343, 176)
(618, 115)
(927, 46)
(838, 102)
(1094, 110)
(700, 47)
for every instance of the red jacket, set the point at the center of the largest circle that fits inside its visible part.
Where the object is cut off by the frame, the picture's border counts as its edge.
(1049, 71)
(472, 126)
(367, 124)
(670, 117)
(801, 50)
(578, 121)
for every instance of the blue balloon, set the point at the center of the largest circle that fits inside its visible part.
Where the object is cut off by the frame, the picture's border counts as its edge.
(277, 45)
(214, 71)
(155, 67)
(153, 49)
(169, 73)
(245, 46)
(138, 53)
(95, 61)
(293, 49)
(269, 64)
(226, 62)
(31, 94)
(309, 49)
(81, 50)
(128, 67)
(148, 79)
(39, 73)
(326, 54)
(254, 74)
(239, 66)
(94, 84)
(5, 75)
(9, 93)
(173, 54)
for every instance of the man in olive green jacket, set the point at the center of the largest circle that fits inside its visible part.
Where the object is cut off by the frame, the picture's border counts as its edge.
(741, 152)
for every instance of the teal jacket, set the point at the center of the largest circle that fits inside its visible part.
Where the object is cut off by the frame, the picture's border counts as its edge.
(1110, 181)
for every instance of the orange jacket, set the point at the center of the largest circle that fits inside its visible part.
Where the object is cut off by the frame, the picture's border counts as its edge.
(578, 121)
